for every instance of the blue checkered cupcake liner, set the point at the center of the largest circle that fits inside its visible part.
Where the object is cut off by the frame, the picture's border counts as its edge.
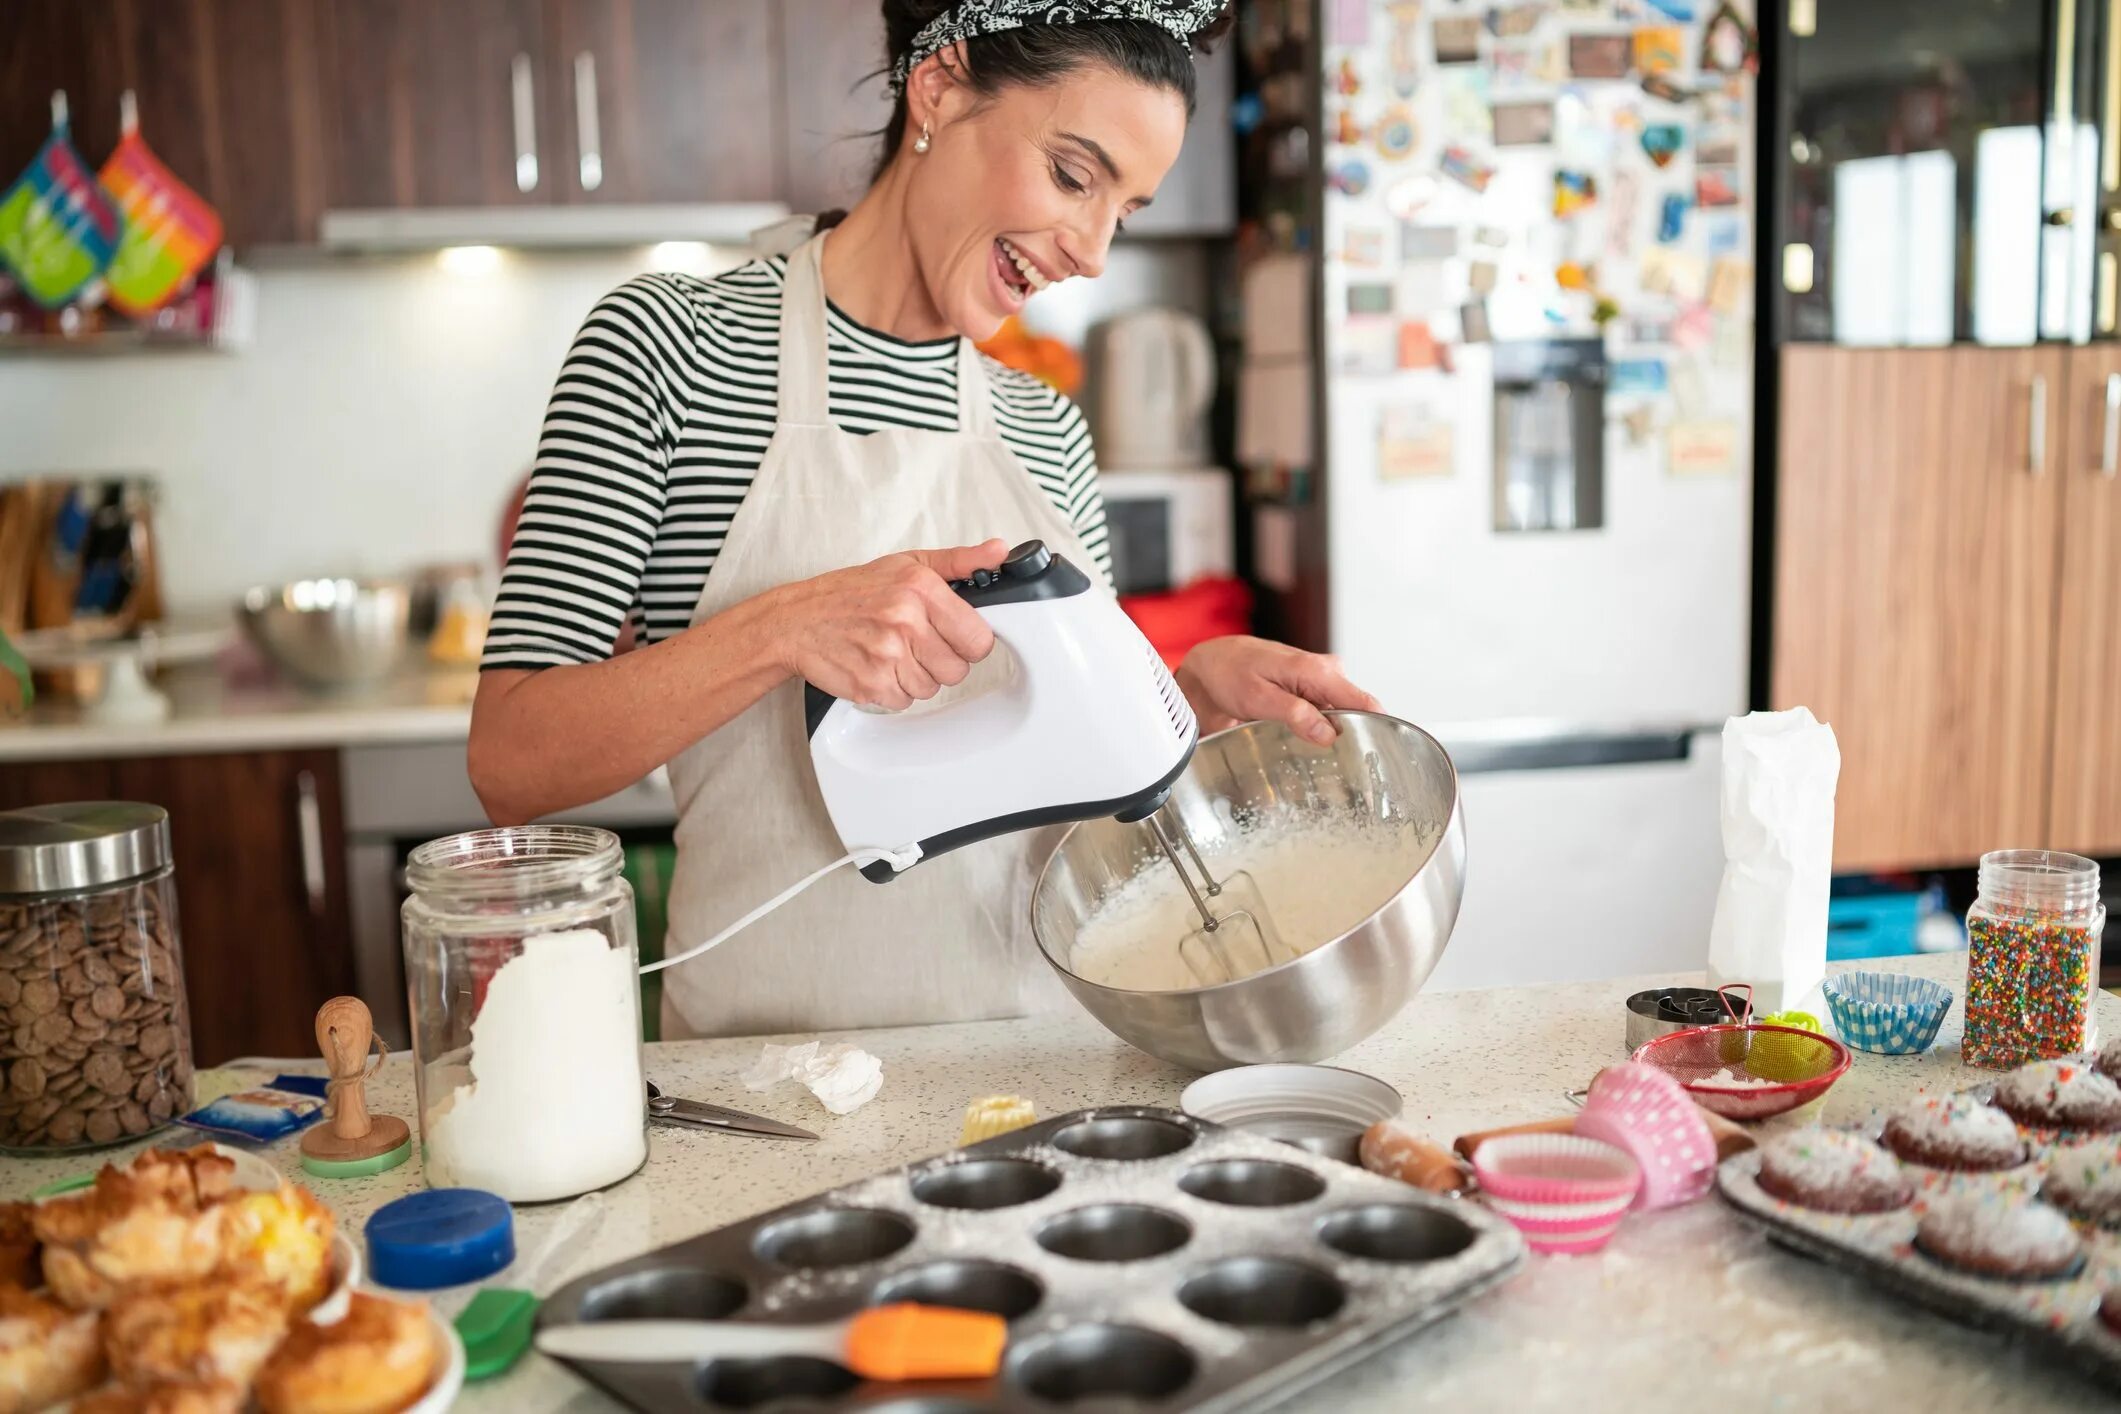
(1887, 1013)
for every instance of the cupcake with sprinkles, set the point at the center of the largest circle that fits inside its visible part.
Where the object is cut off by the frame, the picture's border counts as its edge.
(2010, 1240)
(2061, 1095)
(2084, 1180)
(2108, 1061)
(1956, 1134)
(1833, 1171)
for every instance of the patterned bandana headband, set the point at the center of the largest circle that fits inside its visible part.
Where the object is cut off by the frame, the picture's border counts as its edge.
(971, 18)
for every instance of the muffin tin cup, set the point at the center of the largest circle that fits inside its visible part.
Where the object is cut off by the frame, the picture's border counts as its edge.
(1141, 1256)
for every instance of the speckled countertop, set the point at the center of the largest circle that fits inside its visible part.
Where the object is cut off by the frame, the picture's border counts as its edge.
(1686, 1310)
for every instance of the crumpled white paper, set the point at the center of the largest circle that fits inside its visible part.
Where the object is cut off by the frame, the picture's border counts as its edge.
(843, 1077)
(1779, 774)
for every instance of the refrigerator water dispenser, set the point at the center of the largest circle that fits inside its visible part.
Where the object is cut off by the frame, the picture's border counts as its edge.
(1550, 435)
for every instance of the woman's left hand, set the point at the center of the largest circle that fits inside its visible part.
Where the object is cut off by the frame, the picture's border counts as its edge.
(1233, 680)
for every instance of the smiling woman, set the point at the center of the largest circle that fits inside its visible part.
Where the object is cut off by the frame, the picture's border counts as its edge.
(765, 473)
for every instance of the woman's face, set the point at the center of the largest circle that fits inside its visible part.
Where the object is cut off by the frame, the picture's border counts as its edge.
(1025, 189)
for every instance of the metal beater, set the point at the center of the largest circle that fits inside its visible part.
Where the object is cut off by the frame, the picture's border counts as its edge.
(1236, 937)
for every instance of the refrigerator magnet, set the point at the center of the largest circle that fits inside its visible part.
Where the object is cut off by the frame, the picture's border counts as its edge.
(1669, 272)
(1469, 171)
(1466, 117)
(1420, 348)
(1671, 217)
(1716, 186)
(1427, 242)
(1587, 9)
(1640, 423)
(1729, 44)
(1369, 345)
(1369, 297)
(1661, 142)
(1725, 232)
(1511, 68)
(1730, 285)
(1572, 276)
(1413, 443)
(1405, 198)
(1347, 80)
(1352, 177)
(1573, 192)
(1690, 391)
(1523, 124)
(1515, 21)
(1636, 377)
(1395, 134)
(1480, 276)
(1473, 326)
(1666, 87)
(1718, 146)
(1734, 343)
(1457, 39)
(1700, 448)
(1658, 50)
(1350, 22)
(1403, 55)
(1363, 247)
(1599, 56)
(1694, 329)
(1680, 10)
(1623, 197)
(1346, 130)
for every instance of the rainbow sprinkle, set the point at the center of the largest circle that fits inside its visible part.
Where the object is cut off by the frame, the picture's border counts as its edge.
(2030, 982)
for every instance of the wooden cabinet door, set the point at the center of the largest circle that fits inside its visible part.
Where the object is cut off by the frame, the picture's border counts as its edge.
(262, 911)
(1915, 587)
(662, 100)
(438, 104)
(832, 111)
(2087, 775)
(65, 45)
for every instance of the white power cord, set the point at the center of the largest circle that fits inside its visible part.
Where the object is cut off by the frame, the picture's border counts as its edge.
(901, 859)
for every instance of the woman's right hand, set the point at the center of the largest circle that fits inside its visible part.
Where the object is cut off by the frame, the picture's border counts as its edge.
(889, 633)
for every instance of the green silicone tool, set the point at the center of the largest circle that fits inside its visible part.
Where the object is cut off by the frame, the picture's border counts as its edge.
(497, 1326)
(64, 1185)
(358, 1168)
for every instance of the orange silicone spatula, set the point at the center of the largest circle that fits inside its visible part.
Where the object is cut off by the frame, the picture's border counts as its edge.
(902, 1342)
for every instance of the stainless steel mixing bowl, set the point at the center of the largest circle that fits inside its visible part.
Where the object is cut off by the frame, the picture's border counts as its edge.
(1253, 780)
(331, 632)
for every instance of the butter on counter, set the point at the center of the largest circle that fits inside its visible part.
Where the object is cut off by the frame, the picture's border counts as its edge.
(996, 1114)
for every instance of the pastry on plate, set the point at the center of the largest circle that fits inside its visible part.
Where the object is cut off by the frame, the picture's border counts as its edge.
(214, 1332)
(162, 1399)
(1955, 1132)
(377, 1359)
(2061, 1094)
(47, 1353)
(2015, 1240)
(1833, 1171)
(2084, 1180)
(281, 1238)
(18, 1247)
(132, 1228)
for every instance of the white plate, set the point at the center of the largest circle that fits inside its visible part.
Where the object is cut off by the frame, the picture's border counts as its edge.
(450, 1383)
(1318, 1107)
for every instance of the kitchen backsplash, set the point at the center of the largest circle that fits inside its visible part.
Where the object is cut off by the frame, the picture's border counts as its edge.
(383, 412)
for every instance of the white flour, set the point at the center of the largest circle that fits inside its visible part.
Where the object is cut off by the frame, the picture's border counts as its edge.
(556, 1105)
(1318, 882)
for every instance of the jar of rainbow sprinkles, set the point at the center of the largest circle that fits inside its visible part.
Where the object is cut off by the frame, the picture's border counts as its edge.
(2032, 966)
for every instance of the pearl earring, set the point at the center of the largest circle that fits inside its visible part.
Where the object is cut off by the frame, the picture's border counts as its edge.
(920, 144)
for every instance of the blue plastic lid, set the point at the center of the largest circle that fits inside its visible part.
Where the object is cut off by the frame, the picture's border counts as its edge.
(443, 1237)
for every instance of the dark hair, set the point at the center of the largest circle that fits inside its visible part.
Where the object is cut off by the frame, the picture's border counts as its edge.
(1036, 55)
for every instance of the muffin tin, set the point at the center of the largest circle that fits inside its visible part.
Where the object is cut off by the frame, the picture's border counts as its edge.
(2057, 1316)
(1144, 1258)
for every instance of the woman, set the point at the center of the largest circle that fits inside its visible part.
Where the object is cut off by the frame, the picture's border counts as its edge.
(773, 473)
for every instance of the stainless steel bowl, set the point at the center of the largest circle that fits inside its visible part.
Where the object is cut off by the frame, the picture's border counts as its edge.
(1253, 780)
(331, 632)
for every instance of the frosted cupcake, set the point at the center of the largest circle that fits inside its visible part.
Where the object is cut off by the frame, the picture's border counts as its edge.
(1956, 1133)
(2084, 1180)
(2061, 1094)
(2108, 1061)
(1833, 1171)
(2003, 1239)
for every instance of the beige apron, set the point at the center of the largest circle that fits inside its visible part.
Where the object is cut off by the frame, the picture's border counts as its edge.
(949, 940)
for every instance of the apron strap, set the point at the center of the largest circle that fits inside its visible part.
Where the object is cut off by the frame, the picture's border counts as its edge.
(806, 365)
(975, 402)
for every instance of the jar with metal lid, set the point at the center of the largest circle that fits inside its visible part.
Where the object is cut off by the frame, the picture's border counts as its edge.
(2032, 967)
(524, 979)
(95, 1038)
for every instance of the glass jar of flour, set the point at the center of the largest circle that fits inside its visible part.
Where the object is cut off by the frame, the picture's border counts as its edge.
(524, 977)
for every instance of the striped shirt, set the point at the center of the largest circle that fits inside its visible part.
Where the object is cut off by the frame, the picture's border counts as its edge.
(658, 424)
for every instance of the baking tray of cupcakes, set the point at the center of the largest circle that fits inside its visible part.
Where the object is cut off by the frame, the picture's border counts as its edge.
(1998, 1206)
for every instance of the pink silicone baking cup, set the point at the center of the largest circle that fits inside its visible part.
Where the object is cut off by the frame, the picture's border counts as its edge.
(1559, 1169)
(1646, 1112)
(1563, 1227)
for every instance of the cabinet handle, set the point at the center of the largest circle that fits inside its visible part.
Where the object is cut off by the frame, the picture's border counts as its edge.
(588, 135)
(2110, 449)
(2036, 428)
(526, 117)
(309, 823)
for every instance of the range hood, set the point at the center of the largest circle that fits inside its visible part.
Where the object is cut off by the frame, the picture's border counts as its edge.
(547, 227)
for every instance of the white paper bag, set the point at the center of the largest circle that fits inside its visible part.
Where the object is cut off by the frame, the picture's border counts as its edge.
(1779, 773)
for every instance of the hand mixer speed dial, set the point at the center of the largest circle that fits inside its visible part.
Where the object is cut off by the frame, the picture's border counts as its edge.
(1086, 723)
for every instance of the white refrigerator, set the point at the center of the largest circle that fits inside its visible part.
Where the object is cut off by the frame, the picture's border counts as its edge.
(1537, 324)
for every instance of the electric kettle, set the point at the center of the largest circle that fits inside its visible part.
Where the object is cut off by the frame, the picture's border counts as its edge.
(1152, 373)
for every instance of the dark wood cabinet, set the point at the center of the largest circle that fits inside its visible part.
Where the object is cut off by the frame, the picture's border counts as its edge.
(437, 105)
(834, 104)
(662, 100)
(226, 89)
(261, 882)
